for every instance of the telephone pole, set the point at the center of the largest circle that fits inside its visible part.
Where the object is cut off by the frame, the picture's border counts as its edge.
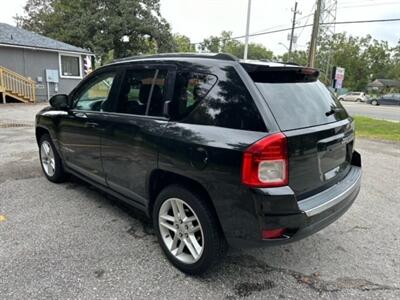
(295, 12)
(246, 41)
(314, 36)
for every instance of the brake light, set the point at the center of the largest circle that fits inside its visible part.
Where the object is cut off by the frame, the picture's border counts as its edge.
(265, 163)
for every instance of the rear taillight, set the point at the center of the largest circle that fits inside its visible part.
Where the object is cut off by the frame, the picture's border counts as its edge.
(265, 163)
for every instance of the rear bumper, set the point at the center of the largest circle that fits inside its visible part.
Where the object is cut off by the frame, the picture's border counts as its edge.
(311, 214)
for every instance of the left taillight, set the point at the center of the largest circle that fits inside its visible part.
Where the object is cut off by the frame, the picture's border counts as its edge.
(265, 163)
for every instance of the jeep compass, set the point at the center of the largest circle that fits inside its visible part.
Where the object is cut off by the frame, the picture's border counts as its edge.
(216, 150)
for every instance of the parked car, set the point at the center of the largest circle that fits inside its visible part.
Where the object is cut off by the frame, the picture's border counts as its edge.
(388, 99)
(354, 96)
(217, 151)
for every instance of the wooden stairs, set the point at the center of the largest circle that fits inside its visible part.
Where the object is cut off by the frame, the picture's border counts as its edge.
(16, 86)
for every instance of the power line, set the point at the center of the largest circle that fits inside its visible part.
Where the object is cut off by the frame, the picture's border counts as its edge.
(310, 25)
(308, 18)
(367, 5)
(281, 25)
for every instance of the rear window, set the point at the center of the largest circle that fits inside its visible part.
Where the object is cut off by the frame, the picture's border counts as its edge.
(298, 101)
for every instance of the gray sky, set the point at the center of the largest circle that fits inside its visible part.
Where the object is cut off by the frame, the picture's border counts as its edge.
(199, 19)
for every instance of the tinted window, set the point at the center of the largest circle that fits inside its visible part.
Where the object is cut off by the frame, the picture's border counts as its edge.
(190, 89)
(229, 105)
(94, 94)
(142, 92)
(301, 104)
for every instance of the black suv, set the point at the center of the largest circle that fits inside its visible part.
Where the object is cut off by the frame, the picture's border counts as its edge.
(215, 150)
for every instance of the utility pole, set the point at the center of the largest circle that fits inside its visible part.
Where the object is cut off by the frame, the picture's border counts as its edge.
(295, 12)
(246, 41)
(314, 36)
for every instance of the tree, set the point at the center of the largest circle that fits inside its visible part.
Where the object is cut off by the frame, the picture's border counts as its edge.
(364, 59)
(297, 57)
(116, 28)
(225, 43)
(183, 44)
(394, 68)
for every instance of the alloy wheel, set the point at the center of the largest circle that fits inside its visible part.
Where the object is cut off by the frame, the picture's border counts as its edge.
(181, 230)
(47, 158)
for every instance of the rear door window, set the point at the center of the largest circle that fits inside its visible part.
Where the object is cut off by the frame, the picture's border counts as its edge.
(142, 92)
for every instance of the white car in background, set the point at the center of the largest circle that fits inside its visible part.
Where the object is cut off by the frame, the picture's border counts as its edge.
(354, 96)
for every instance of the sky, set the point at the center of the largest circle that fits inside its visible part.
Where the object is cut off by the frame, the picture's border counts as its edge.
(198, 19)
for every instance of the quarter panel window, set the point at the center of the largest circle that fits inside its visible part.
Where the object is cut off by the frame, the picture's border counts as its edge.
(228, 104)
(93, 96)
(190, 89)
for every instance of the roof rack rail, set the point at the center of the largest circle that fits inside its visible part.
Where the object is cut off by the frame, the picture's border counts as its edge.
(221, 56)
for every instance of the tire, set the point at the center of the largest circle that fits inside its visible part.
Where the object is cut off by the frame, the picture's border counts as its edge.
(358, 100)
(209, 241)
(341, 99)
(50, 160)
(374, 102)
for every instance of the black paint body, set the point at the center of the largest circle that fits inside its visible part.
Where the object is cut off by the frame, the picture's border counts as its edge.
(131, 156)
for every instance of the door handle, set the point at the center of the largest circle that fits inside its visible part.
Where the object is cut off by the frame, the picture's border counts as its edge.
(91, 124)
(80, 115)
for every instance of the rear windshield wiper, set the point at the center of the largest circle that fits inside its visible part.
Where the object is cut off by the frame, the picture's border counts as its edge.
(333, 110)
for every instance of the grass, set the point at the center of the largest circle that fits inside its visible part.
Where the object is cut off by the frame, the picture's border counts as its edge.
(377, 129)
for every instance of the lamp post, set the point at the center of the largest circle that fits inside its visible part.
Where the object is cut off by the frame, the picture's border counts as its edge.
(246, 41)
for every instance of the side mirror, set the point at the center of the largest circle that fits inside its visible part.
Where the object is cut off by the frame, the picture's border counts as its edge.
(59, 101)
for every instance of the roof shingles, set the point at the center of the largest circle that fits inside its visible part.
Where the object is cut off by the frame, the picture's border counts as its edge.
(11, 35)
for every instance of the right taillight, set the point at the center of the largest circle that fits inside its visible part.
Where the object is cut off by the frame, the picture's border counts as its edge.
(265, 163)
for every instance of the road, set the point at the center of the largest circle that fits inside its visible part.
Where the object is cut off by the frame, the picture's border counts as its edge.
(69, 241)
(391, 113)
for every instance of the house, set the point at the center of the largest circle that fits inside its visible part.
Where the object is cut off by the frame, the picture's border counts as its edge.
(384, 85)
(34, 67)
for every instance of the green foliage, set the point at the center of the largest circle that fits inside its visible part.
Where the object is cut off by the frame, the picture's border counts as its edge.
(225, 43)
(101, 25)
(119, 28)
(298, 57)
(183, 44)
(364, 59)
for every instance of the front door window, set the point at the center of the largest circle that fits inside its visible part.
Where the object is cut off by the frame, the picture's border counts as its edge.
(95, 94)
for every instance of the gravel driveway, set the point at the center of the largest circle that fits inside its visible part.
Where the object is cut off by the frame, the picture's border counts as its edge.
(69, 241)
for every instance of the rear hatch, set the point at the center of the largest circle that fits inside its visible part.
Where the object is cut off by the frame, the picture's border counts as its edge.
(319, 131)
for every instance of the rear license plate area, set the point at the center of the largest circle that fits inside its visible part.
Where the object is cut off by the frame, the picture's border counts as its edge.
(334, 154)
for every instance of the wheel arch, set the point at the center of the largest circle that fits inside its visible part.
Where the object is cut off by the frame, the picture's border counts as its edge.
(39, 132)
(159, 179)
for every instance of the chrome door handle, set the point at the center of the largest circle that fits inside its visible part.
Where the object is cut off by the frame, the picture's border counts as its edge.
(91, 124)
(80, 115)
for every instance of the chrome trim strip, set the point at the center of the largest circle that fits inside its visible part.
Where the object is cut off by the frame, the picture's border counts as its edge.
(313, 206)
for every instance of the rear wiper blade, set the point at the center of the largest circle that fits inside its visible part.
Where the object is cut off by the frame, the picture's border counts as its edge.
(333, 110)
